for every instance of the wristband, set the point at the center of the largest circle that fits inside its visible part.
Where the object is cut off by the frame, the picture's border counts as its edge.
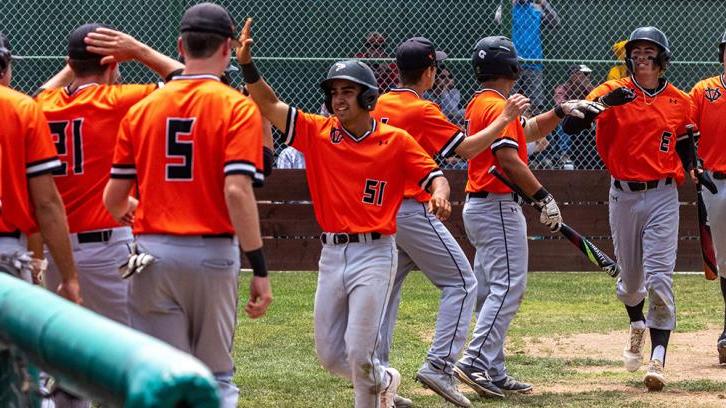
(559, 111)
(541, 194)
(257, 262)
(249, 72)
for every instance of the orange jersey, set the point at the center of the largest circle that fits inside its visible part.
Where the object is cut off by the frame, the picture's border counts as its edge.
(84, 126)
(422, 119)
(637, 141)
(709, 98)
(357, 183)
(27, 152)
(180, 143)
(483, 109)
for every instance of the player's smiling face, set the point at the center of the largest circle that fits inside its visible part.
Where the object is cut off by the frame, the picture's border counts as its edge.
(644, 55)
(344, 100)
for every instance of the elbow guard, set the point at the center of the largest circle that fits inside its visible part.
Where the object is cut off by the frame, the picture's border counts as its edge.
(683, 149)
(268, 159)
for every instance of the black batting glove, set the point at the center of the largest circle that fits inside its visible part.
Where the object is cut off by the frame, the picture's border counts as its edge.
(617, 97)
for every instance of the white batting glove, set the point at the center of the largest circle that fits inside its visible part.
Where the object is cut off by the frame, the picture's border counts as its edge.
(137, 262)
(581, 108)
(550, 213)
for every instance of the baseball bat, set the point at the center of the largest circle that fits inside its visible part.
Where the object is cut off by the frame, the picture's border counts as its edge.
(593, 253)
(704, 230)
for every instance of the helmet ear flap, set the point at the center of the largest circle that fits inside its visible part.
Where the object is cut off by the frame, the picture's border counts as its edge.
(367, 99)
(4, 60)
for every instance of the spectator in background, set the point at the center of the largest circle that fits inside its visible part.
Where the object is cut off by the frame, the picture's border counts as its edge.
(619, 70)
(528, 17)
(447, 96)
(577, 86)
(290, 158)
(374, 47)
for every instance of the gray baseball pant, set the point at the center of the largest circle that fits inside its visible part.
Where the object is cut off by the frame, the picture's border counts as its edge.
(424, 242)
(188, 298)
(716, 208)
(644, 225)
(10, 246)
(497, 229)
(354, 284)
(102, 288)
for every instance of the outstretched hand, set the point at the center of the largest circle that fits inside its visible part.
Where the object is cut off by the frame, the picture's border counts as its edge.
(114, 45)
(617, 97)
(244, 51)
(516, 105)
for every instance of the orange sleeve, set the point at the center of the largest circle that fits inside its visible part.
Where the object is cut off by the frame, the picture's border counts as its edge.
(243, 150)
(696, 95)
(601, 90)
(301, 127)
(124, 165)
(508, 137)
(689, 117)
(128, 95)
(41, 156)
(419, 167)
(440, 135)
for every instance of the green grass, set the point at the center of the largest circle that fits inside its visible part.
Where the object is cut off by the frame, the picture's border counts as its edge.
(277, 367)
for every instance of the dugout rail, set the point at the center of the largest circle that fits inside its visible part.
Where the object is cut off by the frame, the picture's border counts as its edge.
(90, 355)
(290, 232)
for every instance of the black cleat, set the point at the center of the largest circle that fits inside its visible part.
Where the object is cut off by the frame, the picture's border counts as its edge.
(479, 381)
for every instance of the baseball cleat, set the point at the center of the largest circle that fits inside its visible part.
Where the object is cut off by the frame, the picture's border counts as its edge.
(510, 384)
(479, 381)
(654, 378)
(722, 349)
(388, 395)
(402, 402)
(633, 353)
(442, 384)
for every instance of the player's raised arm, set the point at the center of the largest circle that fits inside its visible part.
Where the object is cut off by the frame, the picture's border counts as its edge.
(119, 47)
(59, 80)
(271, 107)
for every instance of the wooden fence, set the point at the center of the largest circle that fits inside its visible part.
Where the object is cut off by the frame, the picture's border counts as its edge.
(291, 233)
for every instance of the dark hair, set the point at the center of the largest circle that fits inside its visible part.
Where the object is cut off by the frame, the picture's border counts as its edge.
(86, 67)
(411, 76)
(201, 45)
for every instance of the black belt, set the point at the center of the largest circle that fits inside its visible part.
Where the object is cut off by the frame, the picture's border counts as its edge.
(641, 185)
(719, 175)
(230, 236)
(95, 236)
(12, 234)
(348, 238)
(485, 194)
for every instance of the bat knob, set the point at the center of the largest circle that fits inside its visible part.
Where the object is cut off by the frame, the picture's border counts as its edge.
(614, 271)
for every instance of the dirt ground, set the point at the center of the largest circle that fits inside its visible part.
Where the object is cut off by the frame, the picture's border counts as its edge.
(691, 357)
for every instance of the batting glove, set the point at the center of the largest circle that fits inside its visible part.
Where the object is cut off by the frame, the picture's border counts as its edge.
(550, 213)
(617, 97)
(581, 108)
(136, 263)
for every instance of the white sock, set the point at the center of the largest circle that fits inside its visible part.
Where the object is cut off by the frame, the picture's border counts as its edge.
(638, 324)
(658, 354)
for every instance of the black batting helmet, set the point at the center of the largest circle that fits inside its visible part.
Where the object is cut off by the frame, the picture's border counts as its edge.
(495, 57)
(721, 47)
(356, 72)
(653, 35)
(5, 54)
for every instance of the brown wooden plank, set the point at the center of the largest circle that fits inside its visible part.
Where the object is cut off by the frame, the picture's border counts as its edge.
(292, 254)
(284, 185)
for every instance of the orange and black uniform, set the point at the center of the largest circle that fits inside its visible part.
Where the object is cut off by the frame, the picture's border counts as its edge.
(709, 98)
(422, 119)
(84, 125)
(27, 152)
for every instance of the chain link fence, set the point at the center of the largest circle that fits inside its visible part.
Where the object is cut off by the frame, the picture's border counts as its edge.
(296, 41)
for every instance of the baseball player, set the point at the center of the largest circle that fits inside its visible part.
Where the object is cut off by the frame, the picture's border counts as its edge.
(28, 159)
(194, 148)
(355, 198)
(84, 118)
(709, 97)
(422, 240)
(640, 138)
(493, 217)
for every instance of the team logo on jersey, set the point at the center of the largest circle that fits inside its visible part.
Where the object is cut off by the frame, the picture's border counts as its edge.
(712, 94)
(336, 136)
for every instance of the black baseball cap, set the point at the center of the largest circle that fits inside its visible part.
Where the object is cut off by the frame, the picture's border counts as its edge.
(208, 18)
(5, 44)
(417, 53)
(77, 46)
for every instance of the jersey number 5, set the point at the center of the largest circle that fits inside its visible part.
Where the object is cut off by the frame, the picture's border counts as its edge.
(59, 131)
(373, 192)
(179, 149)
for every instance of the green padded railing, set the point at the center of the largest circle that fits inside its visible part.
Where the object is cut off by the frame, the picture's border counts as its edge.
(97, 358)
